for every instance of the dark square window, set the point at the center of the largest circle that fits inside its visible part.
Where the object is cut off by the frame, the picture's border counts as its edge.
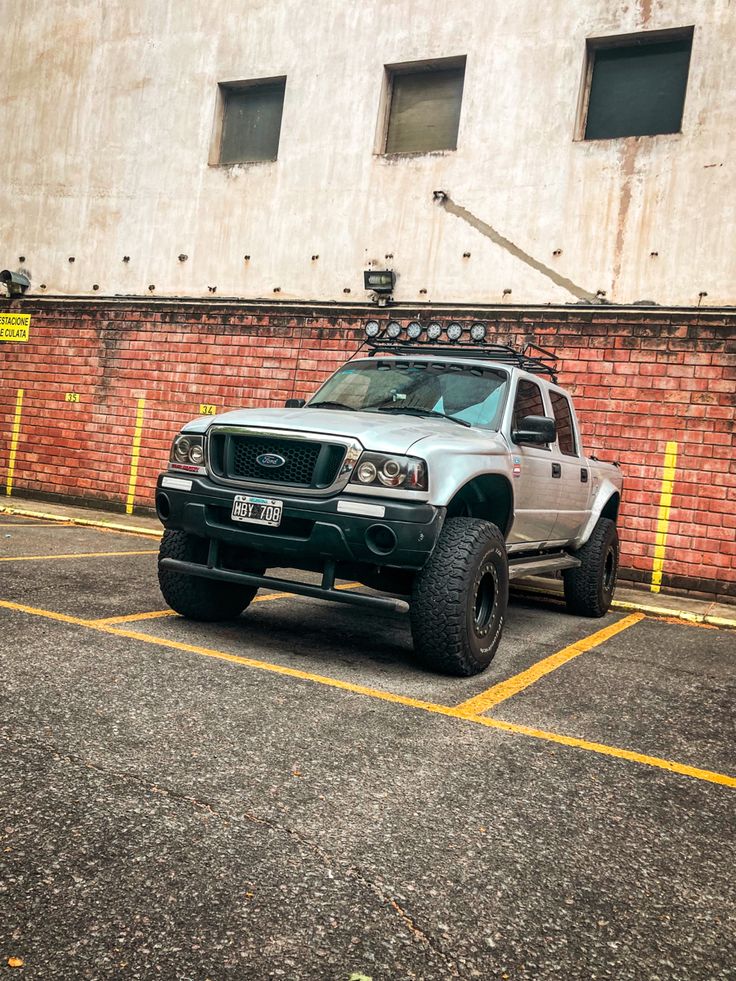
(637, 87)
(251, 120)
(563, 421)
(528, 402)
(424, 110)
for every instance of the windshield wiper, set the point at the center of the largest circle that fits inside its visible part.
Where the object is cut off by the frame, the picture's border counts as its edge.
(328, 404)
(411, 411)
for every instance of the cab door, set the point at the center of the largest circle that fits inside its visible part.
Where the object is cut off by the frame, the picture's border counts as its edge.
(535, 485)
(575, 478)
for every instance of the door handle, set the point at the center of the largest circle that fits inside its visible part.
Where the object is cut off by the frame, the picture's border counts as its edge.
(584, 475)
(556, 470)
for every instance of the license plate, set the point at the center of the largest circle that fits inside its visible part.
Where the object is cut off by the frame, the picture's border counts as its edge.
(258, 510)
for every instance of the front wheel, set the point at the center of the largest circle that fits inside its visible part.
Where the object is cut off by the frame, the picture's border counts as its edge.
(192, 596)
(589, 588)
(459, 598)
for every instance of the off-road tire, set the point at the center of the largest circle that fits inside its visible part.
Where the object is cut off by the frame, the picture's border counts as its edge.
(192, 596)
(589, 588)
(459, 599)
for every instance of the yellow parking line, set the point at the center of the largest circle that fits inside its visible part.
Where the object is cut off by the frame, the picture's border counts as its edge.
(83, 522)
(672, 766)
(156, 614)
(512, 686)
(711, 776)
(131, 618)
(36, 524)
(74, 555)
(48, 614)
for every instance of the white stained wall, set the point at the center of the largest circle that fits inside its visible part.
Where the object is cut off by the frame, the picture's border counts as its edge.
(108, 109)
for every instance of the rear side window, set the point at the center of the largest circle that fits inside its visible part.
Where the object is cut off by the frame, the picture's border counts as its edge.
(565, 428)
(528, 402)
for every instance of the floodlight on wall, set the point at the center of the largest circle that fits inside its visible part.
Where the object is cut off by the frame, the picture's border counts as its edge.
(381, 283)
(16, 283)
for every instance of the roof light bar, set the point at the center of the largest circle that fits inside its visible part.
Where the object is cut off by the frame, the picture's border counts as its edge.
(463, 340)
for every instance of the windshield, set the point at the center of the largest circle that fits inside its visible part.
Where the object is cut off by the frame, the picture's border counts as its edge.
(463, 393)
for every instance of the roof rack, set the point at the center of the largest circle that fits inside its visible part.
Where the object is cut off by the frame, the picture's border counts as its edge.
(542, 363)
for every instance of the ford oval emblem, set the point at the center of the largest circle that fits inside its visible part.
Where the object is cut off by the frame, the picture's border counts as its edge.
(270, 460)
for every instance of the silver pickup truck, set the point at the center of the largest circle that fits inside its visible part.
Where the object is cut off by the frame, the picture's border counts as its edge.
(432, 473)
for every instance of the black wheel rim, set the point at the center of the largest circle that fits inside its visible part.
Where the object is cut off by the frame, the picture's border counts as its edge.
(485, 600)
(609, 571)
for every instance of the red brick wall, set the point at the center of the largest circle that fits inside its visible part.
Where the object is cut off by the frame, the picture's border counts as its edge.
(640, 379)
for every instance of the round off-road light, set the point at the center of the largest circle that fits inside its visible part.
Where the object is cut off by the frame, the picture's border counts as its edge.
(433, 331)
(454, 332)
(372, 328)
(196, 453)
(478, 332)
(366, 472)
(393, 330)
(414, 330)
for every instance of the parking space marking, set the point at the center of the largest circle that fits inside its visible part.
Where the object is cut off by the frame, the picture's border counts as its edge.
(82, 522)
(75, 555)
(156, 614)
(132, 617)
(36, 524)
(709, 776)
(512, 686)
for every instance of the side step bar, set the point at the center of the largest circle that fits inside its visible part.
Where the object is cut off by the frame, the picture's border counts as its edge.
(541, 565)
(326, 591)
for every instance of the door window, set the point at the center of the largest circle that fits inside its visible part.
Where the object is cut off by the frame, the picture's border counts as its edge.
(565, 428)
(528, 402)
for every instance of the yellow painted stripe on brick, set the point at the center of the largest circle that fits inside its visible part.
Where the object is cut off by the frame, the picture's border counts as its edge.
(14, 437)
(445, 710)
(663, 516)
(512, 686)
(74, 555)
(135, 455)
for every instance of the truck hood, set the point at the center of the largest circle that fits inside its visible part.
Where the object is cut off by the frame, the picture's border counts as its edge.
(382, 432)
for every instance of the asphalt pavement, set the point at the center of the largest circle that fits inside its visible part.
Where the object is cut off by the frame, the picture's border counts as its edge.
(290, 796)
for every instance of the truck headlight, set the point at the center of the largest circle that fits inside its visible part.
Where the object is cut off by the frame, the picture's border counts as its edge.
(389, 470)
(187, 453)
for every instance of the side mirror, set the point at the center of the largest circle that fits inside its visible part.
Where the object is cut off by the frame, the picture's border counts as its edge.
(295, 403)
(538, 430)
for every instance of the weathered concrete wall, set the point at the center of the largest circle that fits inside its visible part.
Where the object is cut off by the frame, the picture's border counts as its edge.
(108, 111)
(641, 380)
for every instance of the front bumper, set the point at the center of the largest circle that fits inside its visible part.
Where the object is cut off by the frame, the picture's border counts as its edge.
(311, 529)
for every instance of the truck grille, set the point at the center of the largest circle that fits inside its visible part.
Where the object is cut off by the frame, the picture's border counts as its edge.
(307, 463)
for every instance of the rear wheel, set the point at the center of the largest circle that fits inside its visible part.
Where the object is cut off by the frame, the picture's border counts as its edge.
(589, 588)
(459, 598)
(192, 596)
